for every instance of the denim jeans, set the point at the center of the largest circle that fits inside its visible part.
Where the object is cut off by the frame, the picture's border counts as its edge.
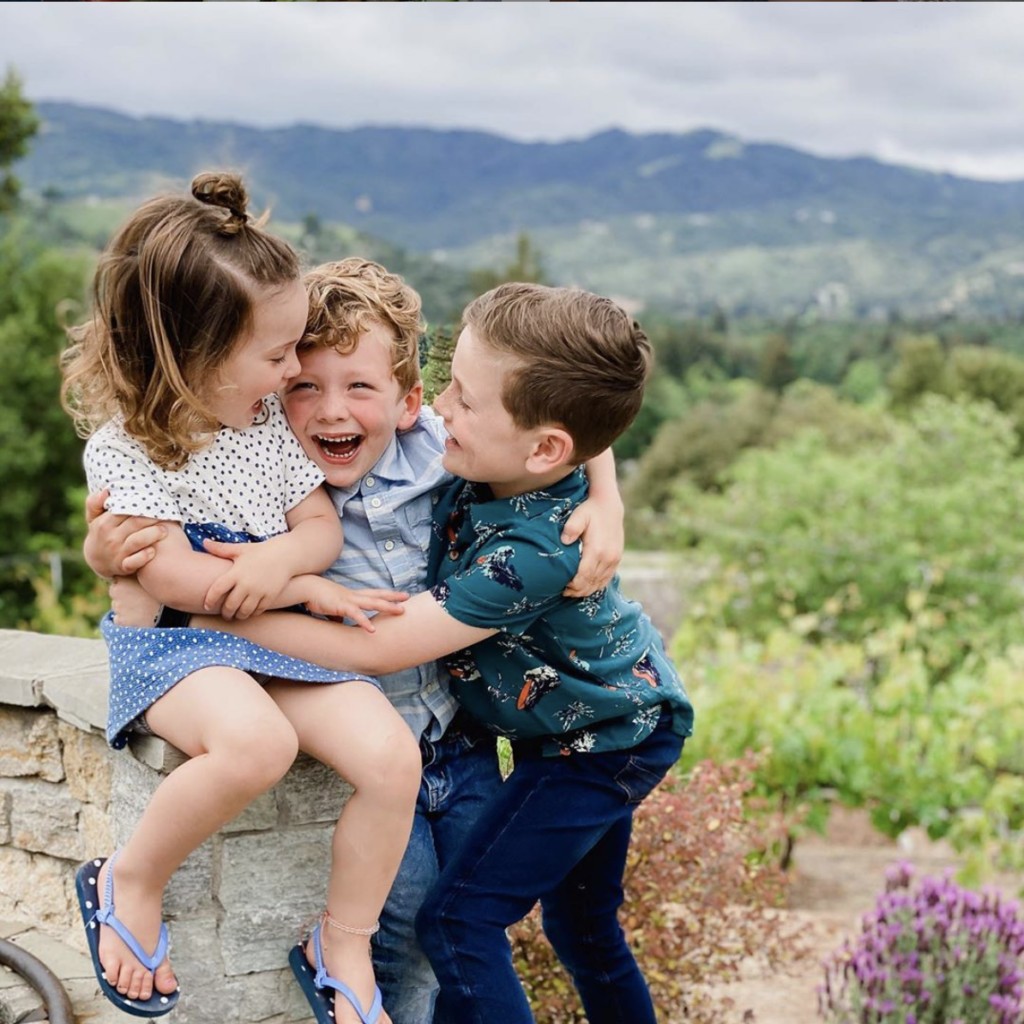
(557, 831)
(460, 774)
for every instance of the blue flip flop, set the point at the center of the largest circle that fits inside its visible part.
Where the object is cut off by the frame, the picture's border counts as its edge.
(320, 987)
(95, 913)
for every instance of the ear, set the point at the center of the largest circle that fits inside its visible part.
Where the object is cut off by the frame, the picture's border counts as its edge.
(412, 403)
(551, 450)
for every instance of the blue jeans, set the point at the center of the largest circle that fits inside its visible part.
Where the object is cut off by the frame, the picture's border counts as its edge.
(557, 831)
(460, 775)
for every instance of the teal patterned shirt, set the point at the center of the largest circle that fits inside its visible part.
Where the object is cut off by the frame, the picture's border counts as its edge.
(575, 674)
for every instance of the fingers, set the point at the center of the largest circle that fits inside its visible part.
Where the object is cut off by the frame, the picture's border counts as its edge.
(94, 504)
(224, 549)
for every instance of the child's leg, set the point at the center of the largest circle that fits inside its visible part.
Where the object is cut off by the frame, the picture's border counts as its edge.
(353, 728)
(460, 775)
(581, 922)
(544, 821)
(239, 745)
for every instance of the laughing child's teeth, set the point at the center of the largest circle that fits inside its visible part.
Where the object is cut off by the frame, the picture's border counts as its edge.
(339, 447)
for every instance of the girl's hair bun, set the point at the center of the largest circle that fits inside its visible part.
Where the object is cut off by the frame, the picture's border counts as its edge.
(227, 192)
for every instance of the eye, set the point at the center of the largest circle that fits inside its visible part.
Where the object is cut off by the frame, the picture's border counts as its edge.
(300, 385)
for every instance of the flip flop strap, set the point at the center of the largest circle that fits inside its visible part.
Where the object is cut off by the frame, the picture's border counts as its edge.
(105, 915)
(324, 980)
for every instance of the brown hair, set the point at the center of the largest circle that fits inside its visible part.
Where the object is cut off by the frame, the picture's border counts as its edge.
(347, 297)
(172, 294)
(583, 362)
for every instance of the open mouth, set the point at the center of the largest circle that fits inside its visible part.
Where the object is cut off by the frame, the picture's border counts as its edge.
(341, 449)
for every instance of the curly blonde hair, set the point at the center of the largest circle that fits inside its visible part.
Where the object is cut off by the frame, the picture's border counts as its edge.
(347, 297)
(172, 295)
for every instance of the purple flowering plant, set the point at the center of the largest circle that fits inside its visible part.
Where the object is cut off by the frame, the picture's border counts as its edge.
(934, 953)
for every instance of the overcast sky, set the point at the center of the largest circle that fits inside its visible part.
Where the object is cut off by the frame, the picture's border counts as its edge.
(933, 85)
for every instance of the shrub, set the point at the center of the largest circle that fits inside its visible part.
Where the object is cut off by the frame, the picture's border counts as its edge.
(702, 879)
(934, 954)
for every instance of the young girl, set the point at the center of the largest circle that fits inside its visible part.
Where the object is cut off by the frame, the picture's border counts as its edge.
(197, 315)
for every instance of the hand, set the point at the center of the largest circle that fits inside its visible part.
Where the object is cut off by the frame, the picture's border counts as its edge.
(333, 601)
(118, 545)
(131, 605)
(603, 545)
(254, 582)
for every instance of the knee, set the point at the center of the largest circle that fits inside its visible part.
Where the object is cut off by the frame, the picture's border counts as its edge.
(260, 750)
(393, 768)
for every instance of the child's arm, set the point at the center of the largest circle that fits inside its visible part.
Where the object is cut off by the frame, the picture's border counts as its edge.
(599, 522)
(260, 573)
(424, 632)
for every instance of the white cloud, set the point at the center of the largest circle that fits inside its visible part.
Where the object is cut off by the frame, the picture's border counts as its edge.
(934, 85)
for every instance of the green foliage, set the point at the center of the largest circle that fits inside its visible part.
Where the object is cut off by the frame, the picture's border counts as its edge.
(702, 875)
(40, 460)
(527, 265)
(867, 724)
(860, 539)
(437, 369)
(18, 123)
(700, 446)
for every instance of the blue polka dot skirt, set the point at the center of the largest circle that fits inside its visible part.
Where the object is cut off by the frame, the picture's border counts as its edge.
(146, 662)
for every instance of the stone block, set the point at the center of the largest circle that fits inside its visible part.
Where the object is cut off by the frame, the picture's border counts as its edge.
(66, 673)
(131, 788)
(29, 744)
(5, 818)
(38, 888)
(44, 818)
(260, 815)
(267, 998)
(311, 793)
(156, 753)
(96, 831)
(190, 890)
(270, 885)
(88, 764)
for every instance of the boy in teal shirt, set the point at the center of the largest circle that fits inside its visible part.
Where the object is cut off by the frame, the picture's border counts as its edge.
(542, 379)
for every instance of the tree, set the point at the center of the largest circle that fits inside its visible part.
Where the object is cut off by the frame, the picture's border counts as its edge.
(437, 371)
(18, 123)
(526, 266)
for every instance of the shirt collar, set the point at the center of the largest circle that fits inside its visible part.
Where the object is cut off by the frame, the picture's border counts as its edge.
(392, 466)
(561, 497)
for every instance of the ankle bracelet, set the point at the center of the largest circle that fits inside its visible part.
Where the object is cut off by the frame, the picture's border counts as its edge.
(348, 929)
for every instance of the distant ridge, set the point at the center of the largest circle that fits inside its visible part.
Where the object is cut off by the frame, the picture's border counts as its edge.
(682, 220)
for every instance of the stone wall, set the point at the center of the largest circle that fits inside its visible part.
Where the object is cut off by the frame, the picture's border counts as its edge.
(237, 903)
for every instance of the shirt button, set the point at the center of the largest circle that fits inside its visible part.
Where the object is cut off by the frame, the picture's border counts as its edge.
(389, 545)
(369, 481)
(376, 503)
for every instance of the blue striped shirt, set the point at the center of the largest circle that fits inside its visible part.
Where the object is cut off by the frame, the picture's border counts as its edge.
(387, 520)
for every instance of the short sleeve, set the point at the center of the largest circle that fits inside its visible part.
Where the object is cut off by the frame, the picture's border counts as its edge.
(137, 486)
(513, 580)
(434, 426)
(302, 475)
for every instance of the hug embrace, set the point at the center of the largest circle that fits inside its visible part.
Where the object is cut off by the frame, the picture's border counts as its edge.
(240, 417)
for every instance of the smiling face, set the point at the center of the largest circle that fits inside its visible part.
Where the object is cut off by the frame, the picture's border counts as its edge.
(263, 360)
(345, 409)
(484, 444)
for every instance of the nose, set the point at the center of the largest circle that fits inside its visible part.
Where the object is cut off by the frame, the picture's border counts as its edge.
(332, 405)
(292, 366)
(440, 403)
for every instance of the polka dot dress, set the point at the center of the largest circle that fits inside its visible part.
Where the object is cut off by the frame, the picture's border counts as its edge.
(239, 488)
(146, 663)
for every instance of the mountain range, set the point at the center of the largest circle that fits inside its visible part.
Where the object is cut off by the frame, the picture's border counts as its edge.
(685, 222)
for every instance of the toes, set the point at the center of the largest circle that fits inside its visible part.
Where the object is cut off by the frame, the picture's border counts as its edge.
(165, 982)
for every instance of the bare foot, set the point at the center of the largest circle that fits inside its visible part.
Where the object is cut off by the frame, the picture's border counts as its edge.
(347, 959)
(140, 912)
